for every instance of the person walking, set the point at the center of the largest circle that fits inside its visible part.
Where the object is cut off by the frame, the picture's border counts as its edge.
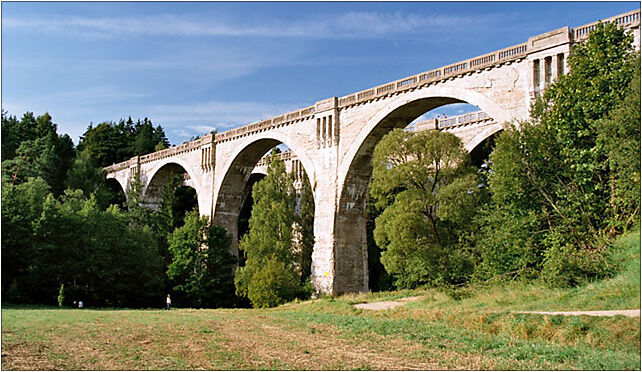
(169, 302)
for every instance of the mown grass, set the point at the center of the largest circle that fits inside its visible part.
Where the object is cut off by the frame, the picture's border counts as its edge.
(472, 329)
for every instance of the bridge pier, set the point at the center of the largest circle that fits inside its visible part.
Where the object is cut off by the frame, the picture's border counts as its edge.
(339, 258)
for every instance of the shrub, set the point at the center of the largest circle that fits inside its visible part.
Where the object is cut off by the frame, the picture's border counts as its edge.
(273, 284)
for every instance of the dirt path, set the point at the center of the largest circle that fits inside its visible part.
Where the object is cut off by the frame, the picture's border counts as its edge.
(629, 313)
(384, 305)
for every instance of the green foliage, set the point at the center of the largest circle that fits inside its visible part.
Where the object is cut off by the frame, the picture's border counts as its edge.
(160, 146)
(378, 278)
(58, 226)
(97, 254)
(273, 284)
(556, 189)
(508, 244)
(86, 176)
(15, 131)
(176, 201)
(269, 240)
(619, 135)
(567, 266)
(109, 143)
(21, 205)
(41, 152)
(202, 265)
(430, 197)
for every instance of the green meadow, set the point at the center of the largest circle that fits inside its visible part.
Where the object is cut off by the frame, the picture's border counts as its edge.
(471, 328)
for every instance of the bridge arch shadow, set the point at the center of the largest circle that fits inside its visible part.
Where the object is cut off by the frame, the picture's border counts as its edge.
(355, 172)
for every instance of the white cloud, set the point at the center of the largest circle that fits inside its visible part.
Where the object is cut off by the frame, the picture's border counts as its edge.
(346, 25)
(203, 128)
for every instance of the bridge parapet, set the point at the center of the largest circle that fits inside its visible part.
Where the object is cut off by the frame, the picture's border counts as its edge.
(176, 150)
(506, 55)
(476, 117)
(266, 124)
(626, 20)
(285, 156)
(120, 166)
(189, 146)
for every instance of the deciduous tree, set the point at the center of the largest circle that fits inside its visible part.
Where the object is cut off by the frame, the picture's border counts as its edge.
(428, 195)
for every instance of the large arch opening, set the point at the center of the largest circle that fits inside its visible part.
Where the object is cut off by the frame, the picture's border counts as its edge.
(355, 221)
(480, 154)
(115, 194)
(171, 185)
(247, 204)
(234, 201)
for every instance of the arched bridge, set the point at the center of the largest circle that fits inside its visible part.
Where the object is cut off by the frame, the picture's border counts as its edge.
(333, 142)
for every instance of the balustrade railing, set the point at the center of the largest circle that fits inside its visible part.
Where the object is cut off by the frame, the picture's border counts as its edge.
(629, 19)
(469, 118)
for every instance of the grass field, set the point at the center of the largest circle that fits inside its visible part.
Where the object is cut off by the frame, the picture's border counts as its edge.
(472, 329)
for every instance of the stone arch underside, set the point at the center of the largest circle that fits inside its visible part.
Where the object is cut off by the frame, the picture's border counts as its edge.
(114, 185)
(159, 177)
(122, 182)
(355, 171)
(233, 189)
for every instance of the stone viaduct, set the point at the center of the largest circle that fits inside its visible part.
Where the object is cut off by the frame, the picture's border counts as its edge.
(333, 141)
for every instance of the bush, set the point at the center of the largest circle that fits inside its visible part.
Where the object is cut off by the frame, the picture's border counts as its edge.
(567, 266)
(202, 265)
(273, 284)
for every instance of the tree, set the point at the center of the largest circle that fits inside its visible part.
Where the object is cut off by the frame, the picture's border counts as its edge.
(105, 144)
(268, 245)
(86, 176)
(428, 195)
(109, 143)
(21, 206)
(552, 173)
(15, 131)
(41, 152)
(619, 136)
(202, 265)
(11, 136)
(96, 254)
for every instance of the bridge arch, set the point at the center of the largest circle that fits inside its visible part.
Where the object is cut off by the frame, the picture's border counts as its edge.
(159, 176)
(118, 193)
(483, 135)
(113, 178)
(402, 110)
(355, 170)
(229, 190)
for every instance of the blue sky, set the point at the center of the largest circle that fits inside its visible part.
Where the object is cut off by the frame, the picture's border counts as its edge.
(193, 67)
